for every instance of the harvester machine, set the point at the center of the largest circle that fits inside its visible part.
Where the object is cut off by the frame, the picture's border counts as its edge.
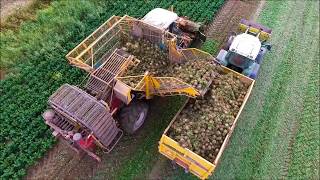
(188, 33)
(97, 113)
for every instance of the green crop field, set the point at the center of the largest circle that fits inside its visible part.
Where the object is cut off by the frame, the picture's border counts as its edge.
(277, 135)
(34, 56)
(278, 132)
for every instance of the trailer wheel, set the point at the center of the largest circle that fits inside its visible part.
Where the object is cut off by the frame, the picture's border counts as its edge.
(133, 116)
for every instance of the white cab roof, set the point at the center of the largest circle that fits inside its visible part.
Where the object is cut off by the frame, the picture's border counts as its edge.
(246, 45)
(160, 18)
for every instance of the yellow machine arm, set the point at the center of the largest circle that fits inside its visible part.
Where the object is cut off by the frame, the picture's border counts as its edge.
(167, 86)
(162, 86)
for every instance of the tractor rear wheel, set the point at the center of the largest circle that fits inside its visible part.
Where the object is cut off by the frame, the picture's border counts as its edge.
(228, 43)
(201, 36)
(133, 116)
(261, 54)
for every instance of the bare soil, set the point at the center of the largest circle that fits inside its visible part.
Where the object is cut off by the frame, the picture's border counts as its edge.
(255, 16)
(229, 16)
(62, 162)
(2, 73)
(10, 6)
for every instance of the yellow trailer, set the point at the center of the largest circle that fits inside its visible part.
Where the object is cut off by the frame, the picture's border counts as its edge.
(189, 160)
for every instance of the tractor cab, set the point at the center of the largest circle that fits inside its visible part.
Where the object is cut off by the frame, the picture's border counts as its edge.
(189, 33)
(244, 52)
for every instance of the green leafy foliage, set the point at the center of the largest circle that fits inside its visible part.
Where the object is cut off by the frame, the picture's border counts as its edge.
(35, 53)
(210, 46)
(200, 11)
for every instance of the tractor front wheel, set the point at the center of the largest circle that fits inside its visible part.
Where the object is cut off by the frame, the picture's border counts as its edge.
(133, 116)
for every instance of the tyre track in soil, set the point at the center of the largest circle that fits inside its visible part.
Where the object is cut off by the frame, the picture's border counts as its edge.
(229, 16)
(296, 89)
(255, 16)
(118, 156)
(49, 164)
(61, 162)
(221, 21)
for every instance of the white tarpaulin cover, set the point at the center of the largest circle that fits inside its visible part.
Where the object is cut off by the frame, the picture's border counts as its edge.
(160, 18)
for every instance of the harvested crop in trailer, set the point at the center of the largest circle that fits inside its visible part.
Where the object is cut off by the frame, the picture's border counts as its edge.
(203, 125)
(151, 57)
(197, 73)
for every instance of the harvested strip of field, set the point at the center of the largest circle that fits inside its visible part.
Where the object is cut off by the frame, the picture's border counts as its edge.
(229, 17)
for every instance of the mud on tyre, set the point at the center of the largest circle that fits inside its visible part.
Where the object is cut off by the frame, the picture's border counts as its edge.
(132, 117)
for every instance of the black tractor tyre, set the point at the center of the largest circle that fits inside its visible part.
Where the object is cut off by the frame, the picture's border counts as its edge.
(228, 44)
(132, 117)
(261, 54)
(201, 36)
